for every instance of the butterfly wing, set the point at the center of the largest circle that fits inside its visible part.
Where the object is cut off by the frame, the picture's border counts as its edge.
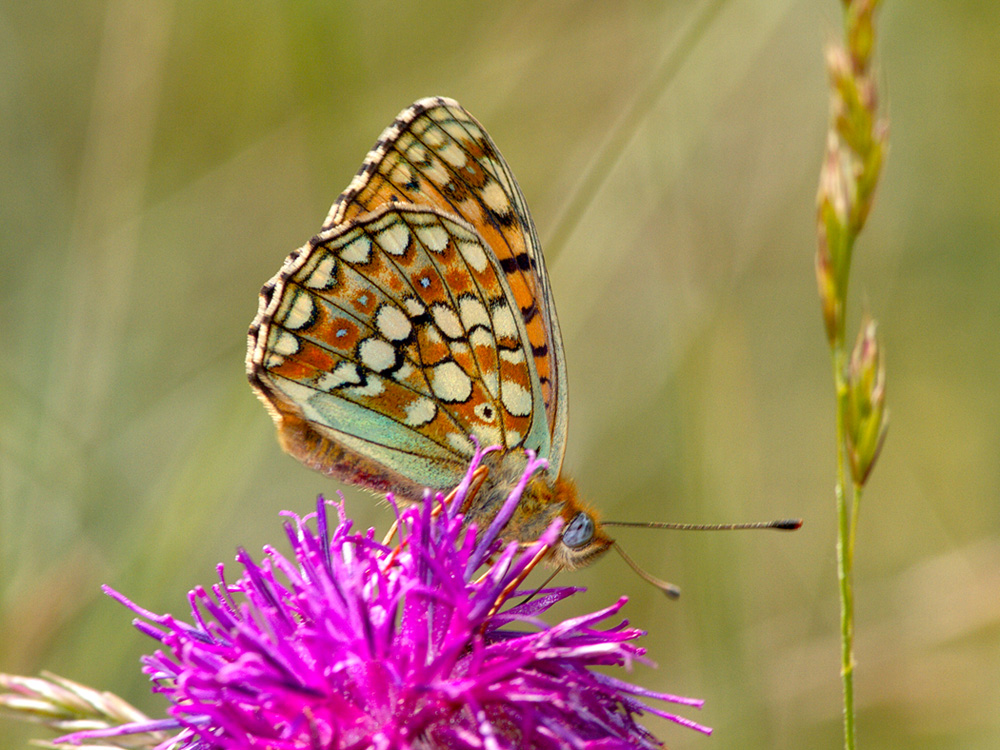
(421, 314)
(385, 342)
(436, 154)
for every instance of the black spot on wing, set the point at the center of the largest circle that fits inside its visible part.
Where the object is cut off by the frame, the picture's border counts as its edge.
(529, 313)
(506, 220)
(520, 262)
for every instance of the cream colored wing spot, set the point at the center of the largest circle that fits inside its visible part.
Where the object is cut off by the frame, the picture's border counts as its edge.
(403, 372)
(432, 336)
(455, 129)
(491, 379)
(420, 412)
(459, 349)
(503, 322)
(357, 251)
(495, 199)
(516, 399)
(285, 344)
(473, 253)
(392, 323)
(473, 313)
(300, 313)
(489, 435)
(437, 174)
(395, 240)
(497, 171)
(416, 153)
(434, 237)
(414, 307)
(481, 337)
(486, 412)
(450, 383)
(446, 320)
(461, 444)
(401, 175)
(430, 134)
(514, 356)
(373, 387)
(322, 276)
(344, 374)
(454, 155)
(376, 354)
(280, 345)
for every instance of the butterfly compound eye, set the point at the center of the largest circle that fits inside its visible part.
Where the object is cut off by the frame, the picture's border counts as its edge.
(579, 532)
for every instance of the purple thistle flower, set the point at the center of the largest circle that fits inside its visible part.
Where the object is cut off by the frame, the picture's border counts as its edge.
(354, 644)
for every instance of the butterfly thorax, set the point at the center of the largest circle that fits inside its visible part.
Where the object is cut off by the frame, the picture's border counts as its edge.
(543, 500)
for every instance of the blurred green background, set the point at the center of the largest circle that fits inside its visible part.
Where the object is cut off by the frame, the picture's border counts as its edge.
(160, 159)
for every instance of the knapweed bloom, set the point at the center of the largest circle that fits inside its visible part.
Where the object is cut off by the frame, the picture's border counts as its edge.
(353, 643)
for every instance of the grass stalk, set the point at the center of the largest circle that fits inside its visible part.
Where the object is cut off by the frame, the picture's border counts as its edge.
(855, 151)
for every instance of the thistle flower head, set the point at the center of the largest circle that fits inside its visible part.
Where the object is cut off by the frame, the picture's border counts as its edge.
(350, 643)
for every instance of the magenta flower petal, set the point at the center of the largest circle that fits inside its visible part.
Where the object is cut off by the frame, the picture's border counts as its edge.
(349, 643)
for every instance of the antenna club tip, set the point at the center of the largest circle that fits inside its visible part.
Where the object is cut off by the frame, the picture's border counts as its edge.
(671, 592)
(788, 524)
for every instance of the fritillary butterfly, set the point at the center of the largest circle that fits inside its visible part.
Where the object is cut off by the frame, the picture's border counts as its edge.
(422, 314)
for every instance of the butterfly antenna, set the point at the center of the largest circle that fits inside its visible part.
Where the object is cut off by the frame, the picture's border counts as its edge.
(785, 524)
(669, 589)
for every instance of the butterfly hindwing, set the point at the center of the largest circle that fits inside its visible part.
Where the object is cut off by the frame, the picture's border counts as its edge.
(393, 337)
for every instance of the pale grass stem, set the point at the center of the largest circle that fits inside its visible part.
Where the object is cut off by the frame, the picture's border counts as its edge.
(855, 152)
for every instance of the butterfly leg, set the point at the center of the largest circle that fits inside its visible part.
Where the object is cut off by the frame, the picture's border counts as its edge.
(512, 586)
(387, 539)
(478, 477)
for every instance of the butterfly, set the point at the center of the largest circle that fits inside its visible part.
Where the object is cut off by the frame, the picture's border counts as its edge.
(421, 315)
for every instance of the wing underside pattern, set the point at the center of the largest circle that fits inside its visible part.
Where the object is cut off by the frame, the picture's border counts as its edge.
(395, 336)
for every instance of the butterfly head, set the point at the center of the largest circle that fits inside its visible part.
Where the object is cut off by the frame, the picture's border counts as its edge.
(582, 542)
(583, 539)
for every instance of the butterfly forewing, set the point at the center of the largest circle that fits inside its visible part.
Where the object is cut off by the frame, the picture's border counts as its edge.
(436, 154)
